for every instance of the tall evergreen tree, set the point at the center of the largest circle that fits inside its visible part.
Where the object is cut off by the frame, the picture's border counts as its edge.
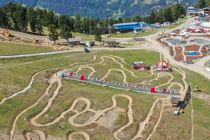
(77, 23)
(98, 36)
(3, 19)
(65, 32)
(152, 17)
(32, 18)
(24, 19)
(53, 35)
(39, 26)
(201, 4)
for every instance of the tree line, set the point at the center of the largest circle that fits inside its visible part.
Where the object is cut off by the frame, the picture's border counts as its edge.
(202, 3)
(27, 19)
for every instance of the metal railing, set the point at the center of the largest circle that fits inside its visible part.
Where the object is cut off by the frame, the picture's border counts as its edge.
(123, 86)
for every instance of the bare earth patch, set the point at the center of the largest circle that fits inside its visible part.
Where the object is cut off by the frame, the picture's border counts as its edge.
(109, 118)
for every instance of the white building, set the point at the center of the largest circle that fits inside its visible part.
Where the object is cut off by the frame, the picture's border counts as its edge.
(191, 11)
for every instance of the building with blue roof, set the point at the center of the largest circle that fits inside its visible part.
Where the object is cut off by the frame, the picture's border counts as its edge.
(132, 26)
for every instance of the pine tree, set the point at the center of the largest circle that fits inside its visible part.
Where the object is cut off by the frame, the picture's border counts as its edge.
(98, 36)
(152, 17)
(39, 28)
(65, 33)
(24, 19)
(53, 35)
(32, 19)
(77, 23)
(201, 4)
(3, 19)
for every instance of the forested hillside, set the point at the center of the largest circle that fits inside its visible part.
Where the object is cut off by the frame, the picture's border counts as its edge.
(27, 19)
(101, 8)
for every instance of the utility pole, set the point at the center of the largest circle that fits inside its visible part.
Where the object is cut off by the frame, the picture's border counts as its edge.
(109, 27)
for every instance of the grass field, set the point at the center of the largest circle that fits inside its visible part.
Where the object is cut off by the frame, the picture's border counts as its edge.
(17, 73)
(11, 48)
(84, 37)
(202, 118)
(132, 34)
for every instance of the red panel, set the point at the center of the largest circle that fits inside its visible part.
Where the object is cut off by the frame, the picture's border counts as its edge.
(71, 74)
(83, 77)
(164, 90)
(152, 90)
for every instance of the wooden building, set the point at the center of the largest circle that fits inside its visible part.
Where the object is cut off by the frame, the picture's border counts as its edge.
(74, 41)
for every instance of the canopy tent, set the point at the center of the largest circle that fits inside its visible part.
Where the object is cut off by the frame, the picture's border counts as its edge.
(163, 66)
(83, 77)
(206, 24)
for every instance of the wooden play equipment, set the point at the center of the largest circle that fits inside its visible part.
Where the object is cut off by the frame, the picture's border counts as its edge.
(111, 44)
(6, 33)
(37, 41)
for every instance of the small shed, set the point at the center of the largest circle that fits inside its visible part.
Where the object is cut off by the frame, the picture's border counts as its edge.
(74, 41)
(166, 23)
(140, 66)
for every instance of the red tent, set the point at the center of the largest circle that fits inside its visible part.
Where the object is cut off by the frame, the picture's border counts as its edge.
(152, 90)
(202, 30)
(163, 65)
(71, 74)
(164, 90)
(192, 30)
(83, 77)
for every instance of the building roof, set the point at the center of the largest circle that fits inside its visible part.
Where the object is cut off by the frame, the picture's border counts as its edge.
(162, 63)
(130, 25)
(126, 24)
(75, 39)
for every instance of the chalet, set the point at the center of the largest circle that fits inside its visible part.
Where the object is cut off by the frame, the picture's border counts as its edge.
(74, 41)
(206, 10)
(191, 11)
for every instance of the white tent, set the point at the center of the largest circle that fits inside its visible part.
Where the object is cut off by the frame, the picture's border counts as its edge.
(206, 24)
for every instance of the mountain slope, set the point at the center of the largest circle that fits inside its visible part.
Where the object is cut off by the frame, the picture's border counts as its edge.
(101, 8)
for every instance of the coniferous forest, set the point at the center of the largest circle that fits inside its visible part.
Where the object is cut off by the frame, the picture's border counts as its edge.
(28, 19)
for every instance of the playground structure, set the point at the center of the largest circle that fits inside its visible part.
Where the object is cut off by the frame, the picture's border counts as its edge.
(10, 36)
(187, 49)
(6, 33)
(111, 44)
(189, 43)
